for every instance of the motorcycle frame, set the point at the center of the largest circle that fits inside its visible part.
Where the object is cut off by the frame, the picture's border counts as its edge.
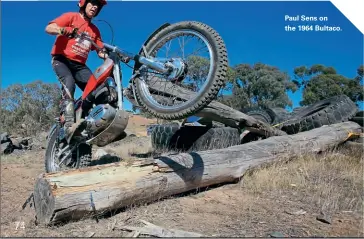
(116, 54)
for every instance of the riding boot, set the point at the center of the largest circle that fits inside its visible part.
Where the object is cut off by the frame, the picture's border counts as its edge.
(70, 126)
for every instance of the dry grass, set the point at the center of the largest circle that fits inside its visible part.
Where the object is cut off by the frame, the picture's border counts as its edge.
(267, 199)
(256, 207)
(333, 181)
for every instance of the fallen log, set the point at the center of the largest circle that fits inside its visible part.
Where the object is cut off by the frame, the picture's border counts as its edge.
(162, 91)
(82, 193)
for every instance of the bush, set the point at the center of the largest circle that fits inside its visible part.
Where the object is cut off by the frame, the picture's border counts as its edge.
(30, 108)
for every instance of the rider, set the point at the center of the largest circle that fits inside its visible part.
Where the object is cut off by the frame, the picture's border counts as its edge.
(69, 54)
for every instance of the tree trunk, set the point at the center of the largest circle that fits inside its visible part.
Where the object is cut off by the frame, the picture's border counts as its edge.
(78, 194)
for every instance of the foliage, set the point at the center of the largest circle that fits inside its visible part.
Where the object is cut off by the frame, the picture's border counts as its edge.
(319, 82)
(29, 108)
(258, 85)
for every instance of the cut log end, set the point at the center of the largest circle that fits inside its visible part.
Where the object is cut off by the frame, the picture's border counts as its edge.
(44, 201)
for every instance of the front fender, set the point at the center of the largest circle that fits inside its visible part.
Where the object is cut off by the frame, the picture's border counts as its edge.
(137, 64)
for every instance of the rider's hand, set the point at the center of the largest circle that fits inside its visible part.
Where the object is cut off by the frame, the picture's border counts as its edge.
(67, 31)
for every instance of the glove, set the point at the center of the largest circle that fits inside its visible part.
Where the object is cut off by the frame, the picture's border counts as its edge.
(68, 31)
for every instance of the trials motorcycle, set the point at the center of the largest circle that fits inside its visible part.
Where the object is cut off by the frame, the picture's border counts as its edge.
(101, 104)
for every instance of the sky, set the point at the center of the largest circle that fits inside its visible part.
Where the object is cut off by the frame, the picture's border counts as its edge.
(253, 32)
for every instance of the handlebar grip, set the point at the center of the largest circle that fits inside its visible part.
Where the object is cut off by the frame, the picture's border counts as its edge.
(74, 33)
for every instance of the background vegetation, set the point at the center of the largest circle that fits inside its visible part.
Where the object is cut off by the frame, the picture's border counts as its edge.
(30, 108)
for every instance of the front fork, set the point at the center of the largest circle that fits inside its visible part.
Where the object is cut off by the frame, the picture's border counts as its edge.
(118, 80)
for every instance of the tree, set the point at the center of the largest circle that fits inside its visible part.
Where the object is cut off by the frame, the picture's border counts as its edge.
(360, 72)
(259, 85)
(320, 82)
(33, 105)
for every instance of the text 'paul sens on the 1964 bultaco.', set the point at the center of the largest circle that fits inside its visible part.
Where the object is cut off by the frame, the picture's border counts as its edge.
(305, 23)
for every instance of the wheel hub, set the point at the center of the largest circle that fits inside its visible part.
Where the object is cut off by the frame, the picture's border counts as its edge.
(179, 69)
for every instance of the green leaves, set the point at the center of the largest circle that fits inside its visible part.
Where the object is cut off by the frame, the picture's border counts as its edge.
(319, 82)
(259, 85)
(33, 105)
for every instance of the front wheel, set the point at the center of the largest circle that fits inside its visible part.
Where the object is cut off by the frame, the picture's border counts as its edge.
(204, 75)
(57, 159)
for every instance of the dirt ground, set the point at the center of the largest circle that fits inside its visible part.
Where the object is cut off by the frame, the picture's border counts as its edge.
(285, 199)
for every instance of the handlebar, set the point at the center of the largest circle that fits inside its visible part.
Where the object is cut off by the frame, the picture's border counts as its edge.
(107, 46)
(140, 59)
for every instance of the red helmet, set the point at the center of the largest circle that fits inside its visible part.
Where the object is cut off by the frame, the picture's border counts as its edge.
(82, 4)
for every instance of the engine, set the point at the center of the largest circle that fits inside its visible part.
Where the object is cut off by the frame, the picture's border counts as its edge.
(101, 105)
(100, 118)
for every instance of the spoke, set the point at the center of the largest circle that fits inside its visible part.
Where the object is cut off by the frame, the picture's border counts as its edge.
(182, 46)
(196, 51)
(164, 95)
(168, 48)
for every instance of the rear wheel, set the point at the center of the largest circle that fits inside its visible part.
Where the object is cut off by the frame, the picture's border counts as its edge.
(211, 68)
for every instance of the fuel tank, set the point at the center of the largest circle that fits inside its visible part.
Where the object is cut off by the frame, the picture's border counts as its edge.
(98, 77)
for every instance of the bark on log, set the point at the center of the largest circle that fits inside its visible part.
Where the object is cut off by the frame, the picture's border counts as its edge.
(79, 193)
(216, 111)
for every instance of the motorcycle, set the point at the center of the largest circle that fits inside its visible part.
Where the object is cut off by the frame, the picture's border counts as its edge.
(101, 103)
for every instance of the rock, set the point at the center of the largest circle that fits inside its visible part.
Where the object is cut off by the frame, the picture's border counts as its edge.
(25, 141)
(21, 143)
(324, 217)
(4, 137)
(7, 148)
(17, 144)
(99, 153)
(276, 234)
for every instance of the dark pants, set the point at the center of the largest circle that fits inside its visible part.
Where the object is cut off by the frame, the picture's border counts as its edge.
(69, 74)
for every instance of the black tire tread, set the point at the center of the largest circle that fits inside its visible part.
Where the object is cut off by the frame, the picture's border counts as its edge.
(278, 114)
(340, 109)
(161, 135)
(193, 138)
(259, 114)
(217, 138)
(217, 81)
